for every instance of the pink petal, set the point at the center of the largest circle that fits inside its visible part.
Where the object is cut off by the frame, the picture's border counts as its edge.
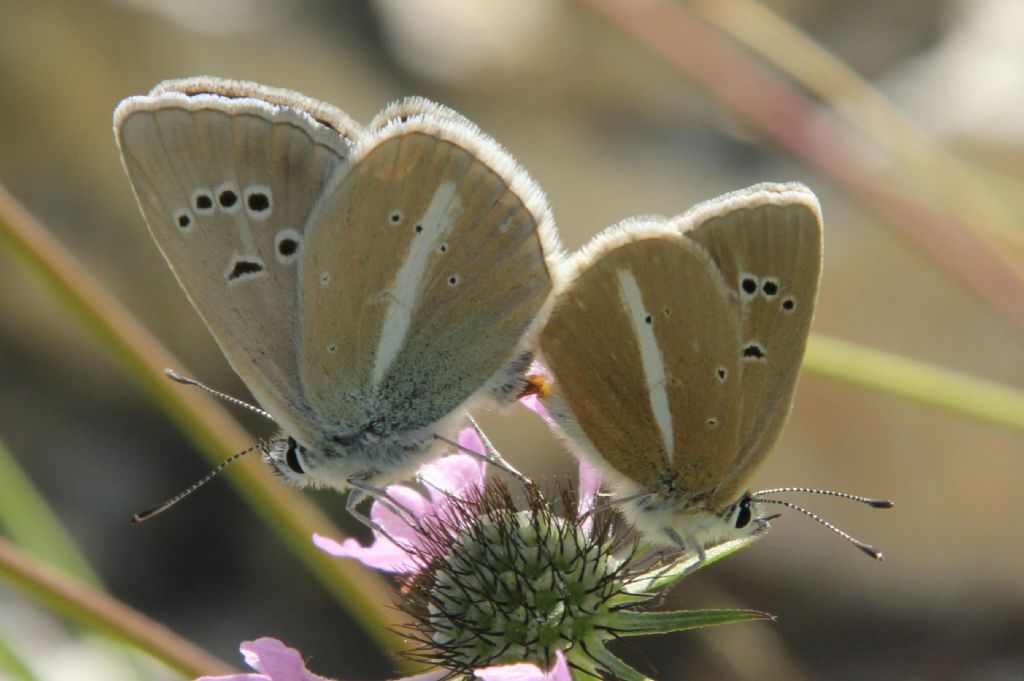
(533, 403)
(435, 675)
(560, 672)
(395, 525)
(525, 671)
(383, 554)
(470, 439)
(589, 484)
(275, 661)
(522, 671)
(460, 475)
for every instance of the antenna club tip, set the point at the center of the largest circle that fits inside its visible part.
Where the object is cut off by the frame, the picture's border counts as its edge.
(871, 551)
(881, 503)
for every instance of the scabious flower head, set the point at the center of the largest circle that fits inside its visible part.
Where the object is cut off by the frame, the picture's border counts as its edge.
(492, 583)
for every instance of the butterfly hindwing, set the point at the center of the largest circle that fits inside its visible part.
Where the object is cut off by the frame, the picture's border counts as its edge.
(767, 242)
(432, 258)
(643, 348)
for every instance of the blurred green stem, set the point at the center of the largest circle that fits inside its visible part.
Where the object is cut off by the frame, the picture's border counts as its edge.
(292, 516)
(93, 609)
(916, 381)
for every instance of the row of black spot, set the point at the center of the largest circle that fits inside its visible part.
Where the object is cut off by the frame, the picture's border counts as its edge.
(257, 202)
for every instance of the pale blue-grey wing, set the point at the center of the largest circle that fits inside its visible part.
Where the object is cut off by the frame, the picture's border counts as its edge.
(226, 174)
(429, 262)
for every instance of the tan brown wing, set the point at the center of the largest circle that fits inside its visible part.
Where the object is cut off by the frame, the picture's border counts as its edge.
(427, 264)
(643, 348)
(226, 174)
(767, 242)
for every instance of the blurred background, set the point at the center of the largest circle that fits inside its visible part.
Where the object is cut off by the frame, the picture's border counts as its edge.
(610, 128)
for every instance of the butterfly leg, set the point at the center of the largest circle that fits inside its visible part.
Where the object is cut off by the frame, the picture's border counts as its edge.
(360, 490)
(692, 548)
(490, 454)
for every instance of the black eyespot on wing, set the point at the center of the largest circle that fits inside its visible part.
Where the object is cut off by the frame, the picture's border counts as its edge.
(753, 351)
(258, 202)
(227, 198)
(647, 319)
(291, 457)
(203, 201)
(770, 287)
(749, 285)
(721, 373)
(184, 220)
(244, 268)
(788, 304)
(287, 246)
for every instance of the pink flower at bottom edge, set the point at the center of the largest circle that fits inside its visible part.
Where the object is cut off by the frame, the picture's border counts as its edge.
(525, 671)
(273, 660)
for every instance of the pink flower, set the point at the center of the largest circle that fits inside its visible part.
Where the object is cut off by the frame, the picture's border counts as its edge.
(273, 660)
(277, 662)
(525, 671)
(401, 547)
(460, 476)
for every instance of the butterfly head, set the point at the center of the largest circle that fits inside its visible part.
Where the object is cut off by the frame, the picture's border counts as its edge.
(686, 524)
(290, 460)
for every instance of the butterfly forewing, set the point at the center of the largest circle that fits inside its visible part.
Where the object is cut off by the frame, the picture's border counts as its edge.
(429, 284)
(226, 186)
(643, 349)
(767, 243)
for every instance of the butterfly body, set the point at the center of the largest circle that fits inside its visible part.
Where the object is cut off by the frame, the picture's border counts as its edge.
(675, 347)
(368, 284)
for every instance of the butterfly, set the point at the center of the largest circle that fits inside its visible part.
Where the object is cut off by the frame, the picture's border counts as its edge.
(368, 284)
(675, 347)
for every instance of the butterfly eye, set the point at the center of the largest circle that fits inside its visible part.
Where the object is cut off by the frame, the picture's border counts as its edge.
(743, 514)
(291, 457)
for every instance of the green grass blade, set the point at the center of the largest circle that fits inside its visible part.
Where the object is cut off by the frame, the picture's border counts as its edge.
(916, 381)
(27, 519)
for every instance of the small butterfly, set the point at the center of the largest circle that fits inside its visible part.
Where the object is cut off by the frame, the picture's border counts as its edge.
(369, 285)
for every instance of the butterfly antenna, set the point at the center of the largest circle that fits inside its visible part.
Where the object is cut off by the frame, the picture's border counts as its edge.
(175, 376)
(863, 546)
(874, 503)
(142, 516)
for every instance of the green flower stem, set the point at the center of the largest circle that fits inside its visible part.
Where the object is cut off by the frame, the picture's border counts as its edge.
(291, 515)
(628, 623)
(916, 381)
(94, 609)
